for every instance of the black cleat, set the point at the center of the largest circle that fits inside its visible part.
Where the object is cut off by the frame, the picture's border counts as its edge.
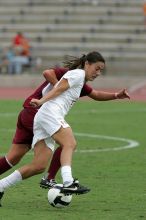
(75, 188)
(1, 195)
(47, 184)
(76, 181)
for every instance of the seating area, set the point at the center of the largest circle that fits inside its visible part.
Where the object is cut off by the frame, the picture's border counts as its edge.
(72, 27)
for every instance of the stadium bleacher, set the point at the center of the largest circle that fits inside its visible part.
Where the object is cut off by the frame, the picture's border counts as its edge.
(73, 27)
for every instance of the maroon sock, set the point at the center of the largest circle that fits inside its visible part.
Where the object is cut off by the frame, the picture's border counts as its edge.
(4, 165)
(55, 164)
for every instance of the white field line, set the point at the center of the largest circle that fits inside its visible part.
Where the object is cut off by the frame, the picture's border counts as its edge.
(128, 143)
(4, 114)
(94, 111)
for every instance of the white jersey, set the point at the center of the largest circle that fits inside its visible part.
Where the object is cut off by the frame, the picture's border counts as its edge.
(62, 103)
(50, 117)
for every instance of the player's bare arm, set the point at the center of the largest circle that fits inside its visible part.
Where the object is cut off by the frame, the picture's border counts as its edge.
(105, 96)
(62, 86)
(50, 76)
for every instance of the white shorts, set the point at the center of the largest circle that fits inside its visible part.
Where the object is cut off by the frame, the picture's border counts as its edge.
(45, 126)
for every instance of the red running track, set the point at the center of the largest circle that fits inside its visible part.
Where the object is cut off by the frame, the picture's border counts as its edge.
(22, 93)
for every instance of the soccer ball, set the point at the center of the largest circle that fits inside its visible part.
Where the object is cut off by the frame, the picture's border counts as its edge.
(58, 199)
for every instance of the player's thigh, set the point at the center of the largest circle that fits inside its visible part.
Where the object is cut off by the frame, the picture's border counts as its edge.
(42, 153)
(64, 136)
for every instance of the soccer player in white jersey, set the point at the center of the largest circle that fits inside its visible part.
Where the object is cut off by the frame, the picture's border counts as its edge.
(49, 122)
(50, 126)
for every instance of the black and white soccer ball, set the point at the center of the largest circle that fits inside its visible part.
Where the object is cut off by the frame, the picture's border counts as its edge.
(58, 199)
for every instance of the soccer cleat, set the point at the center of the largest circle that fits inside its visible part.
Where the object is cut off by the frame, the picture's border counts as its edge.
(47, 184)
(76, 181)
(75, 188)
(1, 195)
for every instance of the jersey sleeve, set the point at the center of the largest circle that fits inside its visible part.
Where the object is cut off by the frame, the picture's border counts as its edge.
(86, 90)
(75, 77)
(60, 72)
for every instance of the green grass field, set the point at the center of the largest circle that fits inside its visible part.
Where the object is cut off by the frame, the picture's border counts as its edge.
(116, 176)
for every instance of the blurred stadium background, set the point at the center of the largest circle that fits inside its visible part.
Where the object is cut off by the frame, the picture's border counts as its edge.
(58, 28)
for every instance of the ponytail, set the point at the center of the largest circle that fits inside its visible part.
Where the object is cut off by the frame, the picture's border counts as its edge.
(75, 62)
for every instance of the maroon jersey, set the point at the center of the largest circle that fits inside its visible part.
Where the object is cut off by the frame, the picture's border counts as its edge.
(24, 130)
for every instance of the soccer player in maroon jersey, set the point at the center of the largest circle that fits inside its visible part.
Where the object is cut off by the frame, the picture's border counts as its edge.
(24, 132)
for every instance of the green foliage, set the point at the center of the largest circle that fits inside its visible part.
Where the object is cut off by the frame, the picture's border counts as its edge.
(117, 178)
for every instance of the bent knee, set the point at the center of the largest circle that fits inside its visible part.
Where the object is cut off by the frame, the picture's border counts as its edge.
(74, 145)
(71, 145)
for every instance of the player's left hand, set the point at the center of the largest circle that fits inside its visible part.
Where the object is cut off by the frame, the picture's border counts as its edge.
(35, 103)
(123, 94)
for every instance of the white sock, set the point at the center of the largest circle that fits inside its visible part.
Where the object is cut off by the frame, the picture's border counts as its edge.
(10, 180)
(66, 175)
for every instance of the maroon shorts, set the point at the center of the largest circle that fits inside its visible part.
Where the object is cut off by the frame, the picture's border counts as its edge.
(24, 130)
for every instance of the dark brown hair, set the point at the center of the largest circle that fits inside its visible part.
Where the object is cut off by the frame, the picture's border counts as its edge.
(75, 62)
